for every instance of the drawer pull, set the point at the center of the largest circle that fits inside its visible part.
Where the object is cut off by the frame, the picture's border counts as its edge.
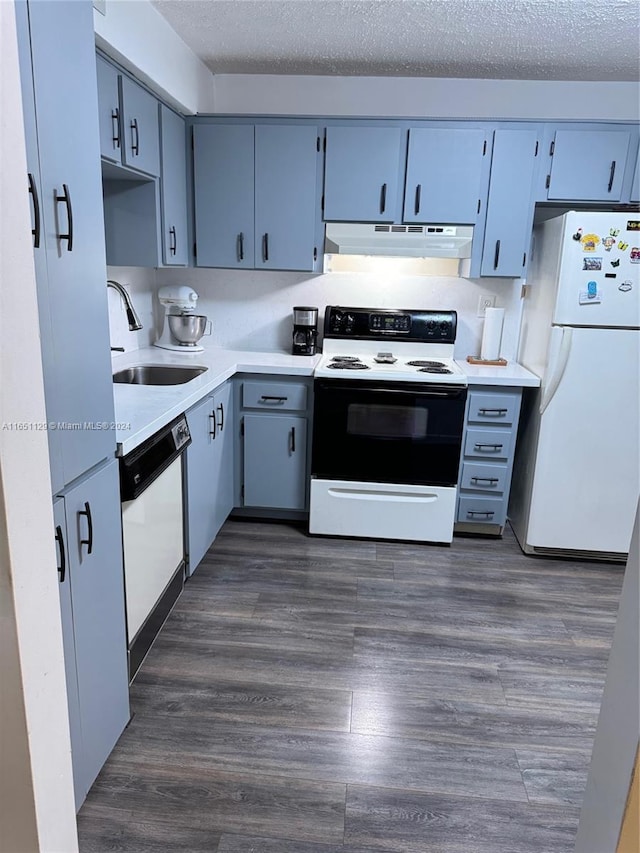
(265, 398)
(490, 480)
(472, 513)
(481, 447)
(492, 412)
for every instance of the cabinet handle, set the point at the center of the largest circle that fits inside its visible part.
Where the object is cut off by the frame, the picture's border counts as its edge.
(496, 257)
(265, 247)
(611, 174)
(471, 513)
(62, 568)
(416, 208)
(115, 127)
(213, 432)
(240, 247)
(490, 480)
(481, 447)
(89, 540)
(293, 439)
(498, 412)
(173, 242)
(135, 146)
(267, 399)
(221, 410)
(383, 198)
(66, 198)
(33, 190)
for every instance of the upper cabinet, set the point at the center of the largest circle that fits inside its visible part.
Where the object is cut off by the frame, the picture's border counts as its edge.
(363, 172)
(445, 180)
(173, 188)
(256, 196)
(509, 218)
(587, 165)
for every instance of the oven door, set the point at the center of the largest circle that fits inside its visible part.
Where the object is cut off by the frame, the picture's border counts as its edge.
(387, 432)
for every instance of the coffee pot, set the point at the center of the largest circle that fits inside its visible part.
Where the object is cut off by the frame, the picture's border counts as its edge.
(305, 330)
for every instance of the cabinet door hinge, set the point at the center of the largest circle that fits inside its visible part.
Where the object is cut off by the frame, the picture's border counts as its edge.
(315, 254)
(552, 147)
(535, 153)
(484, 148)
(548, 182)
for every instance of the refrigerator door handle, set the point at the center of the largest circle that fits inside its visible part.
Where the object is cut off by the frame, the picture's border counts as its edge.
(558, 371)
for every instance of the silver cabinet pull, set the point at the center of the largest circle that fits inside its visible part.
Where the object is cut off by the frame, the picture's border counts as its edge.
(471, 513)
(490, 412)
(480, 447)
(490, 480)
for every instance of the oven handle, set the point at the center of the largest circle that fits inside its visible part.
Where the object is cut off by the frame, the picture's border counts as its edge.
(442, 391)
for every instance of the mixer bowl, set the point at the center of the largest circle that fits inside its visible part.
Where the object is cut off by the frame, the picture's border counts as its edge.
(187, 328)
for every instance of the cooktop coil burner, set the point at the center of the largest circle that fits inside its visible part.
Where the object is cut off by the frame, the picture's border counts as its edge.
(424, 363)
(436, 369)
(345, 358)
(354, 364)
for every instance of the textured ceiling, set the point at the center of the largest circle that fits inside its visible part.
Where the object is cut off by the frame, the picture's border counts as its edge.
(493, 39)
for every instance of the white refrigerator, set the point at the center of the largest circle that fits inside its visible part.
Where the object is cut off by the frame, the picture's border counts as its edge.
(577, 468)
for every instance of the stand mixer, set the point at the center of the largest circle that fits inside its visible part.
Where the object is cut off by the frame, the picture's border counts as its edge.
(182, 328)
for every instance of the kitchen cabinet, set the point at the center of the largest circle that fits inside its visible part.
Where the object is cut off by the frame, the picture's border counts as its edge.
(274, 434)
(56, 44)
(444, 182)
(89, 552)
(363, 168)
(256, 194)
(128, 120)
(210, 471)
(509, 219)
(486, 461)
(587, 165)
(173, 188)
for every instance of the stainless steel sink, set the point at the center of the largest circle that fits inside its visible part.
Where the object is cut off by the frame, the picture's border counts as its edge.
(157, 374)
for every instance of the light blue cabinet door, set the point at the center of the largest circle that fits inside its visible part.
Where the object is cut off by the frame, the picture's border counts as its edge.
(635, 186)
(173, 188)
(588, 165)
(275, 461)
(444, 172)
(223, 175)
(94, 555)
(64, 70)
(108, 111)
(140, 132)
(363, 166)
(223, 484)
(510, 206)
(286, 205)
(80, 778)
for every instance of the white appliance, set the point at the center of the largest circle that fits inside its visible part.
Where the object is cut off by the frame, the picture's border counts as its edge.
(180, 301)
(405, 241)
(577, 472)
(388, 418)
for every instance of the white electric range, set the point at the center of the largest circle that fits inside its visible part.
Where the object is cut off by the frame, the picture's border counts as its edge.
(388, 419)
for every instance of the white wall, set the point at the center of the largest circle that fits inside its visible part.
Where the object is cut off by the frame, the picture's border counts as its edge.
(135, 34)
(252, 310)
(36, 794)
(425, 97)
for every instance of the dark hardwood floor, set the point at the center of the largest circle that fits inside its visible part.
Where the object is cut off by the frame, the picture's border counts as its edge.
(312, 695)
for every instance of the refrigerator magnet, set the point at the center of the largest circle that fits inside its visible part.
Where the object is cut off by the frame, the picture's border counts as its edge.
(608, 243)
(592, 264)
(625, 286)
(633, 224)
(590, 242)
(635, 255)
(578, 235)
(615, 264)
(613, 232)
(585, 297)
(623, 246)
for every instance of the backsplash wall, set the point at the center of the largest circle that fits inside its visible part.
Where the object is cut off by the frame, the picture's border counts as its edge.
(251, 310)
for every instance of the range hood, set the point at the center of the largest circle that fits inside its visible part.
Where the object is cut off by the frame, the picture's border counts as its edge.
(403, 241)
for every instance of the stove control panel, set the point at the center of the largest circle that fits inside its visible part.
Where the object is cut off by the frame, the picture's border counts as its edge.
(379, 323)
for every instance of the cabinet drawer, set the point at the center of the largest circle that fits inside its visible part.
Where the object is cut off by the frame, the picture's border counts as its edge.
(492, 408)
(488, 443)
(481, 510)
(281, 396)
(485, 478)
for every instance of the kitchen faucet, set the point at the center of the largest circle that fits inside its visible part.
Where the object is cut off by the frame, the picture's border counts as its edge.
(132, 317)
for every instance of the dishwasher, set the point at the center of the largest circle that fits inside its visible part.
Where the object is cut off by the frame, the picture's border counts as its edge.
(151, 492)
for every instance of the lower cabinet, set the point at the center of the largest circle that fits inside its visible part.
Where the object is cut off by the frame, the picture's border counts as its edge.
(274, 435)
(91, 583)
(486, 462)
(209, 465)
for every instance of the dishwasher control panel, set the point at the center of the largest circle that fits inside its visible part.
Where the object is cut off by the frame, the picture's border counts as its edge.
(180, 433)
(140, 468)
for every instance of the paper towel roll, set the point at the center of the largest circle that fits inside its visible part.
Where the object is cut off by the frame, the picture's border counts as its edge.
(492, 334)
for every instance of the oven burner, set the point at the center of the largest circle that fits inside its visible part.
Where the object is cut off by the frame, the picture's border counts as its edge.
(424, 363)
(348, 365)
(439, 369)
(345, 359)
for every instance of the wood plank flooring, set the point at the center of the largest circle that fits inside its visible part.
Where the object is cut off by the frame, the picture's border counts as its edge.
(316, 695)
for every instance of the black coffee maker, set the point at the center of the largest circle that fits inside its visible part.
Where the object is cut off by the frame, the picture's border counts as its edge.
(305, 330)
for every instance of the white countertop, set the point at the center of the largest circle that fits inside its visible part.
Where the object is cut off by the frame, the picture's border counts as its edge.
(141, 410)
